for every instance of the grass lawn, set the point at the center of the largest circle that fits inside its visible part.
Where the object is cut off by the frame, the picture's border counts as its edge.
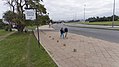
(3, 32)
(31, 27)
(21, 50)
(116, 23)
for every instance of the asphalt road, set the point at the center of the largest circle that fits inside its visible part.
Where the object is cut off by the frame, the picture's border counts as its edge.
(108, 35)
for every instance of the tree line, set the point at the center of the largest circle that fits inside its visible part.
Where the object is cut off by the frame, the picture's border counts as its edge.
(100, 19)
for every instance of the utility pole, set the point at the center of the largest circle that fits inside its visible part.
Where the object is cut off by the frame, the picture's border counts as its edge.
(113, 14)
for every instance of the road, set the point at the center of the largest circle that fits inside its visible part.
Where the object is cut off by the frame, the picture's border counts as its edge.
(107, 35)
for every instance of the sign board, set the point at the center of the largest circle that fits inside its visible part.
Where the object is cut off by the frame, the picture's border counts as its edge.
(30, 14)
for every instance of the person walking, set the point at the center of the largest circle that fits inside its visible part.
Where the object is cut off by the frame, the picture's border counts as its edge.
(62, 33)
(66, 31)
(50, 25)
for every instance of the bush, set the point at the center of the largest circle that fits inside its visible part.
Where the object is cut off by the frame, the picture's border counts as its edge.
(2, 25)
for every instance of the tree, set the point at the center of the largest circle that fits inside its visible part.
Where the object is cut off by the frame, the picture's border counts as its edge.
(43, 19)
(11, 4)
(9, 17)
(18, 18)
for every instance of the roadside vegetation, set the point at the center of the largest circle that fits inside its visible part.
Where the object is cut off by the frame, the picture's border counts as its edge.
(102, 19)
(109, 23)
(21, 50)
(106, 21)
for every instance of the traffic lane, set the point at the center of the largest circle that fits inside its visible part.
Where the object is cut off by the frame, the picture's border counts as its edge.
(108, 35)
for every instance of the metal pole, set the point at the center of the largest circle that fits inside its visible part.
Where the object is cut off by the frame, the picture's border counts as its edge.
(113, 14)
(38, 34)
(84, 11)
(37, 27)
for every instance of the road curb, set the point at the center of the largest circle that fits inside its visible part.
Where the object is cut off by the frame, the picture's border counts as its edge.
(48, 53)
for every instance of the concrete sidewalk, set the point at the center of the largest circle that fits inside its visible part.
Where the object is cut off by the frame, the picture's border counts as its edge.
(93, 26)
(80, 51)
(46, 27)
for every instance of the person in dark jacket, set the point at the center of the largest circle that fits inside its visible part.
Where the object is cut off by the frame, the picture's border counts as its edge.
(66, 31)
(62, 33)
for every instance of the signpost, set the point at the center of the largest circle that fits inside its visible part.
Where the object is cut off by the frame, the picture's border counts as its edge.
(31, 14)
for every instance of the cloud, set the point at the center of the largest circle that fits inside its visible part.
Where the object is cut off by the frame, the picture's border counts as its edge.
(69, 9)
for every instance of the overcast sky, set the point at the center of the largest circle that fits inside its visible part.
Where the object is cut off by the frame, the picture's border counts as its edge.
(3, 7)
(74, 9)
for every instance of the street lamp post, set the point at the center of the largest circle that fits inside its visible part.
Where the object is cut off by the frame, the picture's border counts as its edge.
(113, 14)
(84, 11)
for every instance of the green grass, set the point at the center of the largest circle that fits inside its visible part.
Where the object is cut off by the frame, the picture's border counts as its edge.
(116, 23)
(3, 32)
(31, 27)
(21, 50)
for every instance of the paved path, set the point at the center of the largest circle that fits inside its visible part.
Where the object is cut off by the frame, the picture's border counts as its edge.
(80, 51)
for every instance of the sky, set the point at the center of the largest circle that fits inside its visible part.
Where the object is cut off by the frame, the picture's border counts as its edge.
(3, 7)
(74, 9)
